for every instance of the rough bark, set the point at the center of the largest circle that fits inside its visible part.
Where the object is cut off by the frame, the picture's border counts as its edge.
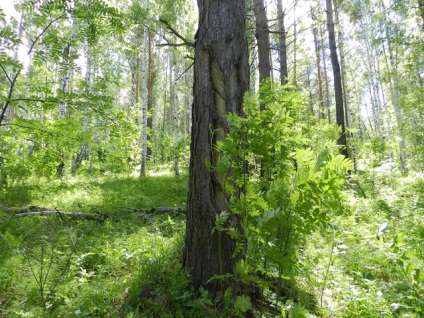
(282, 37)
(221, 77)
(338, 91)
(262, 38)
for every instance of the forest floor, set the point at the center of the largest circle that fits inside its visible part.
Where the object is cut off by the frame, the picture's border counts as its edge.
(367, 263)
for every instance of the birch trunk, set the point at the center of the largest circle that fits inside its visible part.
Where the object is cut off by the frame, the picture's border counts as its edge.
(150, 84)
(65, 83)
(394, 92)
(84, 150)
(143, 117)
(327, 88)
(174, 105)
(321, 108)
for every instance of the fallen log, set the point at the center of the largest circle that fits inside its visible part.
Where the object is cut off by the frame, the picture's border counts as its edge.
(169, 210)
(182, 210)
(32, 208)
(42, 211)
(71, 215)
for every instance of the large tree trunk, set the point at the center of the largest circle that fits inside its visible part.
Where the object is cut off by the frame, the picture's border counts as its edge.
(338, 91)
(221, 77)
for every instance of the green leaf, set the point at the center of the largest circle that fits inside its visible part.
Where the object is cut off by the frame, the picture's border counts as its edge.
(418, 276)
(407, 255)
(409, 268)
(398, 240)
(242, 303)
(227, 297)
(322, 158)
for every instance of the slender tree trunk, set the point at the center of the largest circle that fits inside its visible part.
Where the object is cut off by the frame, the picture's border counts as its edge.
(150, 82)
(84, 150)
(327, 88)
(137, 83)
(66, 84)
(262, 38)
(282, 39)
(345, 89)
(221, 77)
(395, 95)
(174, 105)
(338, 91)
(321, 108)
(252, 49)
(143, 117)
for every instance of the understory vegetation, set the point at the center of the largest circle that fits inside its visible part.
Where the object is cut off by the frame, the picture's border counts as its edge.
(366, 263)
(320, 240)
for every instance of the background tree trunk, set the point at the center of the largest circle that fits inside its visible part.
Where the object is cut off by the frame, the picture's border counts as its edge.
(282, 52)
(325, 75)
(221, 77)
(338, 91)
(143, 122)
(321, 109)
(262, 38)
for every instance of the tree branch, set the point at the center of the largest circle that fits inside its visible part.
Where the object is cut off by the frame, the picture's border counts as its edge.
(7, 75)
(186, 42)
(18, 72)
(185, 71)
(171, 44)
(52, 133)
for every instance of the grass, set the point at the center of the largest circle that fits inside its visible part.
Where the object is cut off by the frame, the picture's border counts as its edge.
(51, 268)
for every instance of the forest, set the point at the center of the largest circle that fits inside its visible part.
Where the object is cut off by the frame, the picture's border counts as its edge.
(212, 158)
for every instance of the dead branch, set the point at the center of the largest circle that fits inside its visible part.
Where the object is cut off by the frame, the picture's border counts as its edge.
(42, 211)
(186, 42)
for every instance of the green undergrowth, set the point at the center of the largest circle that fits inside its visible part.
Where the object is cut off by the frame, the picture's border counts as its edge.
(367, 262)
(121, 267)
(98, 192)
(370, 262)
